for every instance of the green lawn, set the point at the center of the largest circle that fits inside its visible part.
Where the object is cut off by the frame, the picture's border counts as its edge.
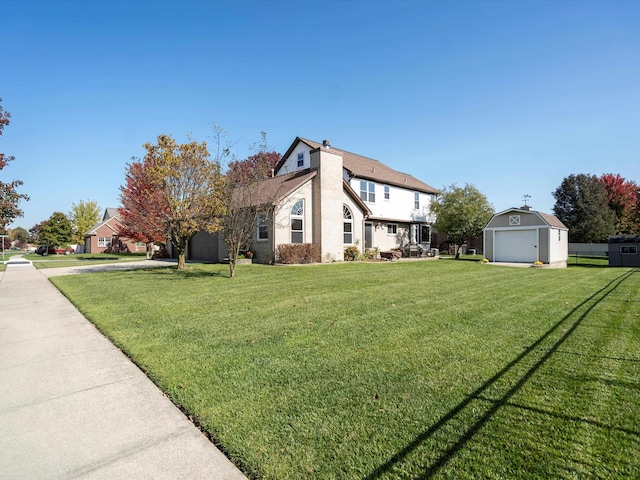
(435, 369)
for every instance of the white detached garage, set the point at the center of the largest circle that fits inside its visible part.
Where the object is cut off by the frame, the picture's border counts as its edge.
(521, 235)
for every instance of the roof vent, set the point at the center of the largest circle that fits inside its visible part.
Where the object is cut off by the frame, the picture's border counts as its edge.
(326, 143)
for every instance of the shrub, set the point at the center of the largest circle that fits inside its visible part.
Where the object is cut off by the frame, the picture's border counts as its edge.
(351, 253)
(372, 254)
(298, 253)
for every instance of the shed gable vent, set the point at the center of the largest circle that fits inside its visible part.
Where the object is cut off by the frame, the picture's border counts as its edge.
(514, 219)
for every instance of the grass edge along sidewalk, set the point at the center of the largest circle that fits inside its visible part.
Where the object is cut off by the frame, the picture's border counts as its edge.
(390, 370)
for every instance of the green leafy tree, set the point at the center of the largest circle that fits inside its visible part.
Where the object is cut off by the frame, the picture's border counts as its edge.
(461, 213)
(582, 205)
(190, 186)
(9, 196)
(56, 231)
(83, 216)
(20, 236)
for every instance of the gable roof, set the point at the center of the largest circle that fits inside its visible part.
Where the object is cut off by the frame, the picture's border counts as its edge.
(550, 220)
(365, 168)
(109, 213)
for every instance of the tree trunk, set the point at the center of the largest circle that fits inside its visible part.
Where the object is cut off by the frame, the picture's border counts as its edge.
(181, 261)
(458, 250)
(180, 245)
(232, 267)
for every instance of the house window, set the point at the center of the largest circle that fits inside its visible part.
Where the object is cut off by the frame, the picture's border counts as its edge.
(629, 249)
(104, 241)
(392, 229)
(347, 225)
(387, 192)
(140, 245)
(300, 160)
(367, 191)
(416, 200)
(297, 222)
(262, 232)
(514, 219)
(559, 235)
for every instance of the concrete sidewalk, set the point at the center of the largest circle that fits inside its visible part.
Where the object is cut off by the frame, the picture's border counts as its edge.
(73, 406)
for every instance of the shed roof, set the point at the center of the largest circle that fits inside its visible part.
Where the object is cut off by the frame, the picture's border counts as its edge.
(624, 239)
(550, 220)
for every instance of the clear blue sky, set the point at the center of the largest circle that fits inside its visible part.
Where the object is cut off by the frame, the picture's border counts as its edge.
(509, 96)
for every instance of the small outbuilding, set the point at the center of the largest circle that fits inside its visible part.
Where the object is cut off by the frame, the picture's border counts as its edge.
(624, 251)
(522, 235)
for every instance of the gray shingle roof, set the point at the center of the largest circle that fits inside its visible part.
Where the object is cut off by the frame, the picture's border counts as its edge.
(368, 168)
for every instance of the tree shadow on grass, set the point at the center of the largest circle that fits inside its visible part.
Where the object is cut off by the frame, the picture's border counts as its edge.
(188, 273)
(525, 358)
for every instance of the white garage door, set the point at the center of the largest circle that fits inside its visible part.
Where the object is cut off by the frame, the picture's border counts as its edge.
(518, 246)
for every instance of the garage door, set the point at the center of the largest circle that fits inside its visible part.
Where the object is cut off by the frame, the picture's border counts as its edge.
(517, 246)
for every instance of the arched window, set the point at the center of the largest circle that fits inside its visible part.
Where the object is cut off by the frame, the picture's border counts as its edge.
(297, 222)
(347, 225)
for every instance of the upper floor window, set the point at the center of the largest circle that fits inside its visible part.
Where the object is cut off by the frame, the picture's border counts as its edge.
(297, 222)
(367, 191)
(347, 225)
(301, 160)
(262, 232)
(387, 192)
(416, 200)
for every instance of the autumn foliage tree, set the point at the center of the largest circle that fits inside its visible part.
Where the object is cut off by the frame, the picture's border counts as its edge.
(247, 199)
(623, 197)
(9, 197)
(143, 210)
(185, 183)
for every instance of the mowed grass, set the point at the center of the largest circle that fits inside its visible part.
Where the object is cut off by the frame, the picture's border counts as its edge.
(434, 369)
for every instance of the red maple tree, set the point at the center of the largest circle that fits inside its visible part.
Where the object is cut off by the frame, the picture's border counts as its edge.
(623, 197)
(144, 209)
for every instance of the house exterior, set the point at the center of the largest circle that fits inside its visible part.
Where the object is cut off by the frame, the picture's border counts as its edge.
(104, 238)
(624, 251)
(522, 235)
(334, 199)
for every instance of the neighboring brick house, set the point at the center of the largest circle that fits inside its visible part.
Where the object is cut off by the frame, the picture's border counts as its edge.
(335, 199)
(104, 238)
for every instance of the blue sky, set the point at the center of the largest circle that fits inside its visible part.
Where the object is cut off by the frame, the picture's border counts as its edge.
(509, 96)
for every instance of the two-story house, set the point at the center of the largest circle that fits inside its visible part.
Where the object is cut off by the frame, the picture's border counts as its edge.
(334, 199)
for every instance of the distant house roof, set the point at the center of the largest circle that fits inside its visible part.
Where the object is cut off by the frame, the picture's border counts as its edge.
(366, 168)
(109, 213)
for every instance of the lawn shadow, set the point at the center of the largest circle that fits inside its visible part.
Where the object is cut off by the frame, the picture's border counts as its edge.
(188, 273)
(472, 428)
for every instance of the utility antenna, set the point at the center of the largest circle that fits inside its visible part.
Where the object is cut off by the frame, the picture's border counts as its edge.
(526, 198)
